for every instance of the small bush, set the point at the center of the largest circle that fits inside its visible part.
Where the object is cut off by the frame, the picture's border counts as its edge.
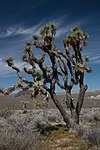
(96, 117)
(91, 117)
(15, 141)
(40, 125)
(92, 136)
(6, 113)
(17, 134)
(54, 118)
(80, 131)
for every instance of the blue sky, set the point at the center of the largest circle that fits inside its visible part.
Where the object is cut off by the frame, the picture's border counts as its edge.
(20, 19)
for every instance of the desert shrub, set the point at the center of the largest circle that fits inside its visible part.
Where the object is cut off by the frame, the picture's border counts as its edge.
(80, 130)
(6, 112)
(15, 134)
(40, 125)
(15, 141)
(54, 118)
(91, 116)
(96, 117)
(92, 136)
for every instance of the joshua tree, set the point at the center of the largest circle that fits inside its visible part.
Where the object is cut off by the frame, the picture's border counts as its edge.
(24, 106)
(64, 69)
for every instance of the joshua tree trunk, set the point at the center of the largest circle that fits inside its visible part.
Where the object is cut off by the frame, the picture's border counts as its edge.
(61, 109)
(77, 110)
(75, 117)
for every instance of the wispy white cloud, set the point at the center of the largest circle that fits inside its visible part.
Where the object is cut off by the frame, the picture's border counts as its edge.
(19, 30)
(63, 28)
(62, 31)
(6, 71)
(61, 22)
(95, 60)
(65, 25)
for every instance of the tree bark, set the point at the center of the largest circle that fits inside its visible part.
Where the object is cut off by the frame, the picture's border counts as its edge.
(83, 89)
(75, 117)
(64, 114)
(76, 112)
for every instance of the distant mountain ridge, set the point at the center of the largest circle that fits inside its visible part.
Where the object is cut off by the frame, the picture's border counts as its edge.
(20, 93)
(92, 99)
(28, 92)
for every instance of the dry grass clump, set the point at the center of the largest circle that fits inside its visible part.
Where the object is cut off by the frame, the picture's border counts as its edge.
(54, 118)
(90, 135)
(7, 111)
(17, 141)
(17, 132)
(90, 116)
(20, 131)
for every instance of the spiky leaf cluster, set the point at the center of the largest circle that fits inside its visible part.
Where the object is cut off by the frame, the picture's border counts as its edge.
(48, 30)
(9, 61)
(25, 58)
(76, 39)
(27, 47)
(37, 88)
